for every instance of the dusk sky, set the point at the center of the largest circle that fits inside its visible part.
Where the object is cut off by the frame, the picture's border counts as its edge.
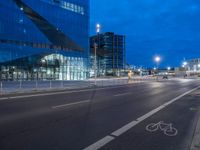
(169, 28)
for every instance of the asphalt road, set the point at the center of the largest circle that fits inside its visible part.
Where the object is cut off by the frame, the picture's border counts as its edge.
(106, 118)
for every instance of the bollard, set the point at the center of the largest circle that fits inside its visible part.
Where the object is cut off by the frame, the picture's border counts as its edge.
(50, 84)
(20, 84)
(1, 88)
(62, 84)
(36, 84)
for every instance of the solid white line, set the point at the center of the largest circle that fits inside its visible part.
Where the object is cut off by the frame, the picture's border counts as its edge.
(124, 128)
(137, 121)
(70, 104)
(100, 143)
(122, 94)
(5, 98)
(57, 93)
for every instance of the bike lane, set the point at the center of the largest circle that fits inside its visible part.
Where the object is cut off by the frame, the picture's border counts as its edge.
(170, 129)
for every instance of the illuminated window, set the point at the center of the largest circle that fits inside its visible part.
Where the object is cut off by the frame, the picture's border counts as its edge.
(66, 5)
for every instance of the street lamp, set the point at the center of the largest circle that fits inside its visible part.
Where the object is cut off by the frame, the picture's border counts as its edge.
(157, 60)
(185, 63)
(98, 26)
(168, 69)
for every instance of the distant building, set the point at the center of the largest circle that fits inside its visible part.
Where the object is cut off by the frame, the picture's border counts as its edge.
(193, 66)
(110, 51)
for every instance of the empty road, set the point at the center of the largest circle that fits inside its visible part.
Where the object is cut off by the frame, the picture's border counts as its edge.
(108, 118)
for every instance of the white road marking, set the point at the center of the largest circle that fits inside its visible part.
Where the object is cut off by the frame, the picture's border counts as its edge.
(124, 128)
(100, 143)
(167, 128)
(122, 94)
(5, 98)
(57, 93)
(97, 145)
(70, 104)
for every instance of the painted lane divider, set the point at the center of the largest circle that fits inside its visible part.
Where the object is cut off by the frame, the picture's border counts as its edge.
(58, 93)
(122, 94)
(70, 104)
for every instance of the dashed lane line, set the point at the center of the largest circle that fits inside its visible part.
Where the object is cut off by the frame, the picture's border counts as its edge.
(122, 94)
(70, 104)
(57, 93)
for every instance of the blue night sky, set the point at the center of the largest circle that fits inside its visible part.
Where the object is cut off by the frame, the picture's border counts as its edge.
(169, 28)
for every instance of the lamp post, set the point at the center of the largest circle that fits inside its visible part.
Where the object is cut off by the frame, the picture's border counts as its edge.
(198, 66)
(168, 69)
(95, 63)
(198, 69)
(157, 60)
(98, 26)
(184, 65)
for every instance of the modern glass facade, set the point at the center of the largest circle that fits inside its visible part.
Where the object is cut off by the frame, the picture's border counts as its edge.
(111, 49)
(44, 39)
(193, 66)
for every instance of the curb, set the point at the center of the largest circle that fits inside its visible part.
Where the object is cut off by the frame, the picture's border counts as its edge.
(196, 138)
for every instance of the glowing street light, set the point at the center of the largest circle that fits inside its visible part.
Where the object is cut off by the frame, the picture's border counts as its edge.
(157, 59)
(185, 63)
(168, 68)
(98, 27)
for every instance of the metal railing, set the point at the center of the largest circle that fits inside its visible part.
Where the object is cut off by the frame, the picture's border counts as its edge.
(28, 86)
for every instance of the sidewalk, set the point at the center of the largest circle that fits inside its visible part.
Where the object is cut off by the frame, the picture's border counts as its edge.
(8, 87)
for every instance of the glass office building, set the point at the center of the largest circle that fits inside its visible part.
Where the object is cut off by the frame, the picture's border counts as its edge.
(110, 51)
(193, 66)
(44, 39)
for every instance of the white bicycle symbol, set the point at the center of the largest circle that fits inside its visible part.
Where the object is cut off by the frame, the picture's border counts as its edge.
(166, 128)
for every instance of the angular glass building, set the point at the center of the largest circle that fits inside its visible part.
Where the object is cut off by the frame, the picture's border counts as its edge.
(44, 39)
